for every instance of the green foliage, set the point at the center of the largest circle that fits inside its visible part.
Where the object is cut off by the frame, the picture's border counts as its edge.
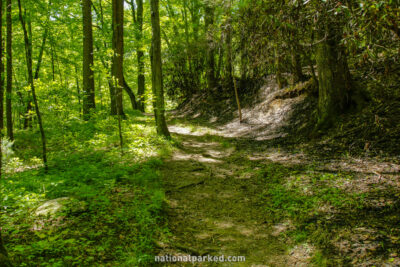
(112, 212)
(289, 199)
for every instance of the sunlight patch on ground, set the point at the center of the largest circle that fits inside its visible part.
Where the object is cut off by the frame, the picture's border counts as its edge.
(194, 131)
(196, 157)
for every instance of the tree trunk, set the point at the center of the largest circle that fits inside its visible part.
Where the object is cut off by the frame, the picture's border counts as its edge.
(10, 132)
(118, 48)
(88, 76)
(1, 70)
(140, 53)
(156, 67)
(28, 117)
(280, 80)
(78, 90)
(298, 75)
(228, 51)
(333, 75)
(117, 68)
(209, 22)
(131, 95)
(28, 53)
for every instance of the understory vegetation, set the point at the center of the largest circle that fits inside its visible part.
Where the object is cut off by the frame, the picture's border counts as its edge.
(96, 205)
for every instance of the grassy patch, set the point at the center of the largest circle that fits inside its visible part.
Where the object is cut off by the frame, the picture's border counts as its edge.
(325, 214)
(112, 209)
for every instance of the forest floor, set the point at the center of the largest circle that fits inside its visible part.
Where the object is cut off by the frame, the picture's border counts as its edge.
(276, 205)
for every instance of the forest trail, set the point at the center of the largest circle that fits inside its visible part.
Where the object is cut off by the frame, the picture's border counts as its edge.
(235, 196)
(214, 208)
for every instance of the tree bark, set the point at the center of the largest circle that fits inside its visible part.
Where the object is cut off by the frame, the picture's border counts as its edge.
(334, 78)
(1, 70)
(88, 76)
(131, 95)
(138, 20)
(118, 48)
(28, 118)
(228, 51)
(156, 67)
(10, 132)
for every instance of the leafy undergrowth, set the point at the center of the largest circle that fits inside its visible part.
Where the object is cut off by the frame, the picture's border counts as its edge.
(373, 131)
(103, 207)
(348, 227)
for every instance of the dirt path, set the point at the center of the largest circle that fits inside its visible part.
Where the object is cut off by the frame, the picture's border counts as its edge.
(214, 206)
(278, 206)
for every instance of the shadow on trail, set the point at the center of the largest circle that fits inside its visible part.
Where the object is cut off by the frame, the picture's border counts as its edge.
(277, 206)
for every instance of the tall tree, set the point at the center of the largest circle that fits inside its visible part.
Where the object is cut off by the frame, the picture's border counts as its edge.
(228, 43)
(28, 54)
(10, 132)
(333, 73)
(88, 75)
(156, 67)
(118, 55)
(137, 15)
(1, 68)
(28, 117)
(210, 59)
(3, 252)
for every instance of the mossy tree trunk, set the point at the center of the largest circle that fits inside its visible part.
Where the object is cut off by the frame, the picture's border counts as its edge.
(156, 67)
(334, 78)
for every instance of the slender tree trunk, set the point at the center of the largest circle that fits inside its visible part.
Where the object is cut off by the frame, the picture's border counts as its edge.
(28, 53)
(118, 48)
(1, 71)
(10, 132)
(113, 104)
(298, 75)
(118, 59)
(281, 81)
(131, 95)
(28, 117)
(157, 79)
(88, 75)
(194, 8)
(53, 69)
(78, 90)
(220, 57)
(209, 23)
(140, 54)
(228, 51)
(1, 93)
